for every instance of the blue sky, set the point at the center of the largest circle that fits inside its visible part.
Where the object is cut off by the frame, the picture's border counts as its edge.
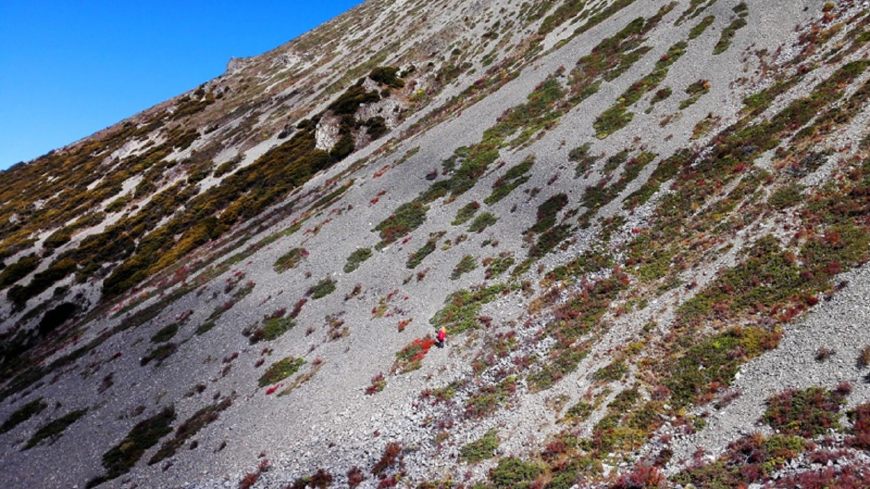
(70, 68)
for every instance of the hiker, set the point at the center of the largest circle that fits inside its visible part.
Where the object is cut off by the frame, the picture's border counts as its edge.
(441, 337)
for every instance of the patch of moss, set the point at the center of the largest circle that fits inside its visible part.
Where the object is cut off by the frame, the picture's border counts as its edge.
(695, 91)
(481, 449)
(467, 264)
(190, 427)
(54, 429)
(730, 31)
(280, 370)
(481, 222)
(580, 155)
(513, 178)
(465, 213)
(462, 308)
(272, 329)
(356, 258)
(159, 354)
(808, 412)
(417, 257)
(165, 334)
(321, 289)
(118, 460)
(290, 260)
(513, 473)
(22, 414)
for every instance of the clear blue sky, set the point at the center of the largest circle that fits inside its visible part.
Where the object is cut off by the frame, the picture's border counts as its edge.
(70, 68)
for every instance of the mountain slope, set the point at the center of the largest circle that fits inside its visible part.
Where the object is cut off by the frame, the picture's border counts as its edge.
(643, 224)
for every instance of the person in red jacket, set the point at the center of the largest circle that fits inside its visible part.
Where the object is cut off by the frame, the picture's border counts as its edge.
(441, 337)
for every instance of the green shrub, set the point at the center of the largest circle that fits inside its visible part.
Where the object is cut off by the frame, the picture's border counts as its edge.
(513, 473)
(480, 449)
(54, 429)
(808, 412)
(417, 257)
(18, 270)
(467, 264)
(272, 329)
(321, 289)
(580, 155)
(481, 222)
(356, 258)
(118, 460)
(462, 308)
(406, 218)
(159, 354)
(165, 334)
(465, 213)
(22, 414)
(730, 31)
(289, 260)
(387, 75)
(787, 196)
(189, 428)
(513, 178)
(280, 370)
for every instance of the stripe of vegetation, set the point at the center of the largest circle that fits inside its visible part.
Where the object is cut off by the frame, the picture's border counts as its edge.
(189, 428)
(122, 457)
(23, 413)
(54, 429)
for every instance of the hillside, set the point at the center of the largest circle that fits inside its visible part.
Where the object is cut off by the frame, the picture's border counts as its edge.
(645, 226)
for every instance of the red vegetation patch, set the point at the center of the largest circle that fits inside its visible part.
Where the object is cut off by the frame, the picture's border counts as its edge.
(411, 356)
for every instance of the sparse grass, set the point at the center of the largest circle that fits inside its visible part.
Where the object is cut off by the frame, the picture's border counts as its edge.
(462, 308)
(481, 222)
(22, 414)
(118, 460)
(271, 329)
(480, 449)
(752, 458)
(159, 354)
(54, 429)
(321, 289)
(189, 428)
(808, 412)
(290, 260)
(465, 213)
(702, 26)
(787, 196)
(356, 258)
(513, 178)
(467, 264)
(418, 256)
(280, 370)
(618, 116)
(720, 356)
(695, 91)
(495, 266)
(165, 334)
(584, 161)
(513, 473)
(730, 31)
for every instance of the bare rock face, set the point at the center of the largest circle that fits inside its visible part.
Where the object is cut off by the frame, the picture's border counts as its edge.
(327, 134)
(643, 226)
